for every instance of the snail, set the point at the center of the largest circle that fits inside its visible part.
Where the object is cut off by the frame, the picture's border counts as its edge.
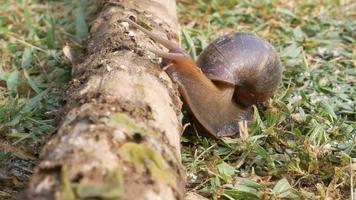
(234, 72)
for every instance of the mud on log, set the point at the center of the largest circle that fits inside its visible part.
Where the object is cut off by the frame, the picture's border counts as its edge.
(120, 136)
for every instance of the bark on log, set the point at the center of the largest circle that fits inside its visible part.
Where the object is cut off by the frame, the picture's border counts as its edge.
(120, 138)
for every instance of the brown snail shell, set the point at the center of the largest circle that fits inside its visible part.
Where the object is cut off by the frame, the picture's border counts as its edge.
(246, 61)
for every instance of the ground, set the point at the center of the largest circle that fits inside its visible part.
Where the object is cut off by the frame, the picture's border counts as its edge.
(302, 141)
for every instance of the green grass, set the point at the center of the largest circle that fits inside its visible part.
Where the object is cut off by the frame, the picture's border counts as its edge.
(302, 141)
(33, 74)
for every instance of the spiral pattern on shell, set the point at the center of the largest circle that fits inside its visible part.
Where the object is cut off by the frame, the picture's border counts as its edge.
(246, 61)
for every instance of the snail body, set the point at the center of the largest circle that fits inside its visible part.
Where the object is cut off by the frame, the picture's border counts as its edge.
(231, 74)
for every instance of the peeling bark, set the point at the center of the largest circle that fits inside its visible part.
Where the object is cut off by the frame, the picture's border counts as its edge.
(120, 137)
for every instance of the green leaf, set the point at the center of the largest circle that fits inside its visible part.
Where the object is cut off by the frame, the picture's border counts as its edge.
(205, 143)
(317, 133)
(215, 182)
(31, 82)
(283, 189)
(292, 51)
(33, 102)
(81, 27)
(287, 12)
(248, 183)
(190, 44)
(265, 155)
(50, 39)
(4, 75)
(226, 171)
(281, 186)
(16, 135)
(26, 64)
(11, 81)
(26, 58)
(4, 30)
(298, 34)
(28, 23)
(240, 195)
(329, 110)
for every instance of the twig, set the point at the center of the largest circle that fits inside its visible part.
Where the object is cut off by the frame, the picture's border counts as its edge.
(28, 44)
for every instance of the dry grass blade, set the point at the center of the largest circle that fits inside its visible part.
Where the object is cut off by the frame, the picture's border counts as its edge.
(5, 147)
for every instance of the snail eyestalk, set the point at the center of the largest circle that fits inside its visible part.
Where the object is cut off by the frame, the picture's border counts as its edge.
(168, 55)
(166, 43)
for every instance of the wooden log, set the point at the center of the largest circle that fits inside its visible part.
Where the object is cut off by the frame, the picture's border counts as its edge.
(120, 136)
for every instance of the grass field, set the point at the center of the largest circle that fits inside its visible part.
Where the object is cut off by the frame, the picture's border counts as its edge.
(302, 142)
(33, 74)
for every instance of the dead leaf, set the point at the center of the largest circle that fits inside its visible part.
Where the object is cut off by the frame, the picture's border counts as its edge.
(243, 130)
(71, 55)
